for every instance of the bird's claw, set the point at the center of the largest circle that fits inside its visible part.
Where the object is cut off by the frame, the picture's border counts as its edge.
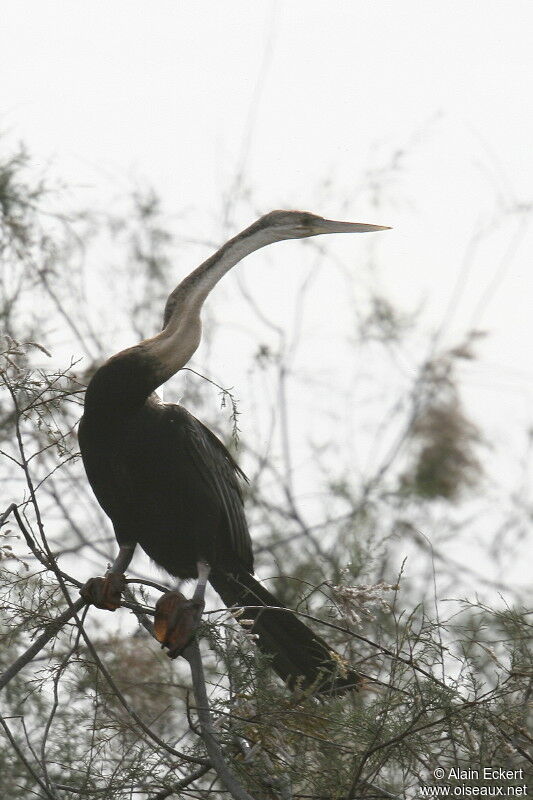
(105, 592)
(176, 620)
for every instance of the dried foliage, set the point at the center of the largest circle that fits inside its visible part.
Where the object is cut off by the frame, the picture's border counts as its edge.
(97, 710)
(443, 439)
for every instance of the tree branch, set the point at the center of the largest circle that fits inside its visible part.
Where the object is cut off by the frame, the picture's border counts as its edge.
(192, 655)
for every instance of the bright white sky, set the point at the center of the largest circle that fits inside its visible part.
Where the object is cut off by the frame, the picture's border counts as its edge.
(166, 92)
(308, 96)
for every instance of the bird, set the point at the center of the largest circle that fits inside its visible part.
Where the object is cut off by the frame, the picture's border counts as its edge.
(170, 486)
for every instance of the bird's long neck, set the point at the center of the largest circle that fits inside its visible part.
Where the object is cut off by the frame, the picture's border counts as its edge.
(174, 346)
(128, 378)
(190, 294)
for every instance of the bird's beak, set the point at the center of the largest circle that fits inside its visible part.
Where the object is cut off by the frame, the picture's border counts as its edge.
(332, 226)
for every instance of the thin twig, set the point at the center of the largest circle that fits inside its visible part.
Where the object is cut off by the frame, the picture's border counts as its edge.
(25, 761)
(51, 630)
(194, 658)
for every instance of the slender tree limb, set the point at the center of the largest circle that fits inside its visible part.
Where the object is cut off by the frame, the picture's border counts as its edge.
(160, 795)
(192, 655)
(133, 714)
(182, 784)
(25, 761)
(51, 630)
(72, 611)
(194, 658)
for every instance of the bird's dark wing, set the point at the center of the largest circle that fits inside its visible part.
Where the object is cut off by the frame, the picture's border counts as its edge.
(220, 473)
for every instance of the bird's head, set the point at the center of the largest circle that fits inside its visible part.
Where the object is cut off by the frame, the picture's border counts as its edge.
(301, 224)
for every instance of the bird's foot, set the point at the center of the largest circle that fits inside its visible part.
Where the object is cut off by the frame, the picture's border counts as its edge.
(105, 592)
(176, 620)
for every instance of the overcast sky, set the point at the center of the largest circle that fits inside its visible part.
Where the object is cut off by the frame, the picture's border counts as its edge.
(308, 98)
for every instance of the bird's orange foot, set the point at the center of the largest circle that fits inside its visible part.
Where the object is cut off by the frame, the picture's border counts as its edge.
(105, 592)
(176, 619)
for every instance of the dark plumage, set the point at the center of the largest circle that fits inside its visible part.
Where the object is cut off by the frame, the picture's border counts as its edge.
(166, 482)
(169, 485)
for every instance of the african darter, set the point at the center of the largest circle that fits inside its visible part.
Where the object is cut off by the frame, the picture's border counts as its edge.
(170, 485)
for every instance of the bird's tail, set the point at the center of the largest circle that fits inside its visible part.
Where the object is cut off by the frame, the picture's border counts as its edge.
(299, 656)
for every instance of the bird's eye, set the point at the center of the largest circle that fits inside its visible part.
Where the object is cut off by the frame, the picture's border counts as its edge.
(306, 221)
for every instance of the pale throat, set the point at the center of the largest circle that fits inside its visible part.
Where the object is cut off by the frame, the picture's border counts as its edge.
(179, 340)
